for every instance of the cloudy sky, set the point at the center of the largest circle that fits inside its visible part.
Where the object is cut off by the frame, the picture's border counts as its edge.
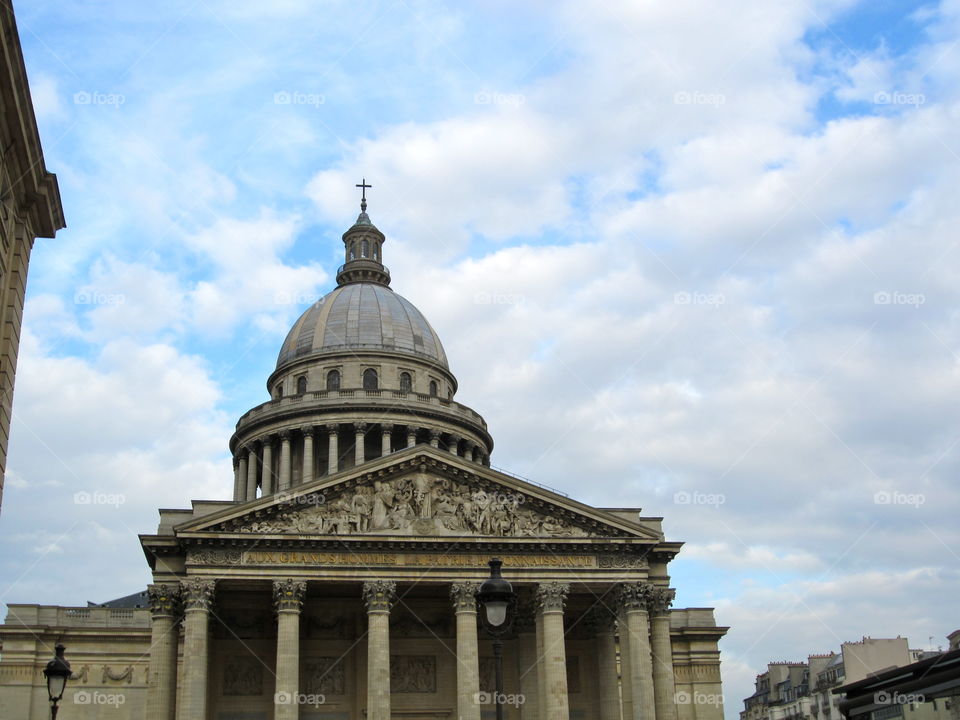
(695, 257)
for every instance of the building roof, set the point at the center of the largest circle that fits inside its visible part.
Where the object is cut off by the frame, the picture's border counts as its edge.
(362, 317)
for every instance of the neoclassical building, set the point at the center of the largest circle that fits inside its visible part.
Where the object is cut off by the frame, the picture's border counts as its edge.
(340, 581)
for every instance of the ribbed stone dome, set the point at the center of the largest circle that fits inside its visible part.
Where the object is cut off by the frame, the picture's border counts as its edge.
(362, 316)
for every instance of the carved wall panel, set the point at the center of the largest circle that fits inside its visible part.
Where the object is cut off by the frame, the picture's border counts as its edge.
(243, 676)
(413, 674)
(324, 676)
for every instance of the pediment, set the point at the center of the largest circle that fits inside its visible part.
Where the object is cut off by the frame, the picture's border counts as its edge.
(423, 495)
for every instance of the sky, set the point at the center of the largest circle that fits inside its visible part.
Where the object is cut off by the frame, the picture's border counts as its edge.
(695, 257)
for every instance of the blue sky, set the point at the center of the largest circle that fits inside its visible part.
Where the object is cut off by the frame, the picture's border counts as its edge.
(722, 245)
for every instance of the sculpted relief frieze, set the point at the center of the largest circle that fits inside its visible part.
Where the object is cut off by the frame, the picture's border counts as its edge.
(421, 504)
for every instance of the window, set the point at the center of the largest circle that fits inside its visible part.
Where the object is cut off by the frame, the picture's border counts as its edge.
(333, 380)
(406, 382)
(433, 388)
(278, 391)
(370, 380)
(353, 251)
(364, 248)
(301, 384)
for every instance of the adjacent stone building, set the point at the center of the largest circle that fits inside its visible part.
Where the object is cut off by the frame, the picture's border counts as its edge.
(340, 580)
(29, 208)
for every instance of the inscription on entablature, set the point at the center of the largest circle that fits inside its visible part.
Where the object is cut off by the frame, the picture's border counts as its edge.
(413, 674)
(401, 559)
(622, 561)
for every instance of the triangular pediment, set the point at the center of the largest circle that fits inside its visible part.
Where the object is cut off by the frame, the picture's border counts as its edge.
(419, 492)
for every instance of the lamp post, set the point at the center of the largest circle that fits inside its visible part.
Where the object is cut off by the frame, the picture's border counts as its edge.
(57, 673)
(496, 596)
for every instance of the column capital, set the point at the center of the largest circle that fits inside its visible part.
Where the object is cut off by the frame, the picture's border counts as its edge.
(307, 430)
(464, 596)
(412, 429)
(386, 427)
(359, 427)
(266, 440)
(660, 600)
(250, 447)
(288, 594)
(164, 599)
(332, 427)
(284, 435)
(552, 596)
(634, 596)
(197, 593)
(378, 595)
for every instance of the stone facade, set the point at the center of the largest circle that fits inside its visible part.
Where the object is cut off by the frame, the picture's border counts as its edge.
(340, 581)
(29, 208)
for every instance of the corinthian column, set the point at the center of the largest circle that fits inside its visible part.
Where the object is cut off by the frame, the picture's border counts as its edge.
(633, 600)
(464, 597)
(333, 451)
(359, 452)
(288, 597)
(550, 600)
(266, 484)
(378, 596)
(197, 599)
(307, 475)
(286, 470)
(162, 684)
(251, 472)
(385, 440)
(602, 623)
(240, 490)
(663, 681)
(527, 659)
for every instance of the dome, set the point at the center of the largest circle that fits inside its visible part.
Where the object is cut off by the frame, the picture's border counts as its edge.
(362, 316)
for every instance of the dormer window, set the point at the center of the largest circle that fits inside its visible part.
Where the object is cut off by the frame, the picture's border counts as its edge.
(333, 380)
(370, 379)
(301, 384)
(433, 388)
(406, 382)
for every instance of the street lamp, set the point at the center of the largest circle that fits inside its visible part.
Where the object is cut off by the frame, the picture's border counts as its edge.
(496, 595)
(57, 672)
